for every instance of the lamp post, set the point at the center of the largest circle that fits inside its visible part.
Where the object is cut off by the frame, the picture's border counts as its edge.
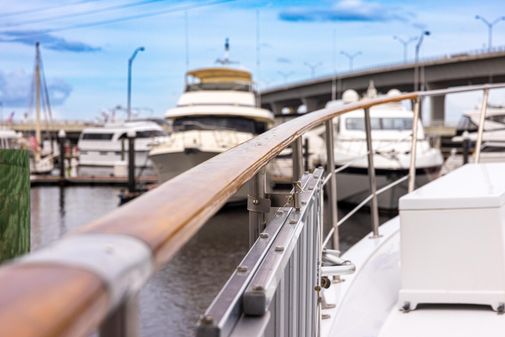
(490, 25)
(351, 57)
(405, 44)
(285, 75)
(312, 67)
(129, 98)
(418, 48)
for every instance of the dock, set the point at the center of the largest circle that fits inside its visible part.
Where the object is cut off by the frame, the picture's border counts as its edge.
(46, 180)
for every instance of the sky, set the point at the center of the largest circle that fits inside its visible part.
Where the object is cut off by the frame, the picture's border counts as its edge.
(86, 45)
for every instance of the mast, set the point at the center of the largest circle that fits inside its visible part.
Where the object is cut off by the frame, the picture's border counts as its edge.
(38, 136)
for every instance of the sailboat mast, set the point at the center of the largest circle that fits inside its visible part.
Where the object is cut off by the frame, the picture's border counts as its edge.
(38, 136)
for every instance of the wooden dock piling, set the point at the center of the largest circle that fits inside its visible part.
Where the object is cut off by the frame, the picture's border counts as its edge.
(14, 203)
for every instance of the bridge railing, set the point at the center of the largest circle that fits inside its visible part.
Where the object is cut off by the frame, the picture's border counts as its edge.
(89, 280)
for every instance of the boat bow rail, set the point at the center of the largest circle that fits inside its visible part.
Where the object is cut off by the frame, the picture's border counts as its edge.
(89, 280)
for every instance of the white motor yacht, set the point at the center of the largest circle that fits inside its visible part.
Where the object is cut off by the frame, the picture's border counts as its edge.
(103, 151)
(391, 128)
(216, 112)
(493, 137)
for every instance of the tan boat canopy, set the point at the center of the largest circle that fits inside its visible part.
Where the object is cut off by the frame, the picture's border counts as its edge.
(221, 75)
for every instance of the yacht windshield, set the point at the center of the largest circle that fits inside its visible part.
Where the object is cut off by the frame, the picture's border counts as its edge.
(382, 123)
(218, 123)
(97, 136)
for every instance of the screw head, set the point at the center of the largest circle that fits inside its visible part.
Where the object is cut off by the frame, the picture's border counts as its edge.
(255, 202)
(258, 288)
(279, 249)
(242, 269)
(264, 235)
(206, 319)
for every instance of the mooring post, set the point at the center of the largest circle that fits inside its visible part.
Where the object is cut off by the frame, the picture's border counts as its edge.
(131, 160)
(14, 203)
(61, 139)
(466, 147)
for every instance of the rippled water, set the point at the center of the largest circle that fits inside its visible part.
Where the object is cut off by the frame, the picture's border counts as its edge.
(174, 298)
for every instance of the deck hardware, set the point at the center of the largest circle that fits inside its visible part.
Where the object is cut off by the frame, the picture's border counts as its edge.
(325, 282)
(325, 305)
(325, 316)
(405, 307)
(258, 288)
(293, 221)
(264, 235)
(206, 320)
(279, 249)
(242, 269)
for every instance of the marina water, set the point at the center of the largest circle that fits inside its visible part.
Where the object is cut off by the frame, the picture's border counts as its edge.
(173, 299)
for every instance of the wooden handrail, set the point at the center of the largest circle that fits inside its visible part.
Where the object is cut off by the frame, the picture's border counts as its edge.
(57, 299)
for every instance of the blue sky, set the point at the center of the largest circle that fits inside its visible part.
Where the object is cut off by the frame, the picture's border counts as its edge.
(86, 44)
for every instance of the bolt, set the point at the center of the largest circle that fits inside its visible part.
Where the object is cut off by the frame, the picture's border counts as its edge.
(264, 235)
(258, 288)
(279, 213)
(206, 319)
(256, 202)
(279, 249)
(293, 221)
(242, 269)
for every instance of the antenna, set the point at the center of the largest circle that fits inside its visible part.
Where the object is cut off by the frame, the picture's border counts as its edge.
(226, 58)
(258, 73)
(186, 32)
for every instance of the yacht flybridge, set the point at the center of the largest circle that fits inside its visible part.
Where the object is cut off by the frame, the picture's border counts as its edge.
(216, 112)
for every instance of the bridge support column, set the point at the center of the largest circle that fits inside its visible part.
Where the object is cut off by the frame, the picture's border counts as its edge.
(310, 104)
(437, 105)
(276, 107)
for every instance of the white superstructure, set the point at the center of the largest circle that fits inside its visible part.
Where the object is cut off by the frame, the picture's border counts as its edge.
(9, 139)
(216, 112)
(101, 149)
(391, 128)
(451, 279)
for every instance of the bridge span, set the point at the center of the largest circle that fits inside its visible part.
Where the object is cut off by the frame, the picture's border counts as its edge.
(469, 68)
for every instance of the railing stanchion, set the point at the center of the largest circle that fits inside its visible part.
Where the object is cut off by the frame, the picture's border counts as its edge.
(413, 145)
(297, 148)
(123, 321)
(331, 187)
(257, 205)
(482, 118)
(374, 207)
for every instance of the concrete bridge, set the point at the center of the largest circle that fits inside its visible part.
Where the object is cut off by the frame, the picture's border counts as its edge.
(476, 67)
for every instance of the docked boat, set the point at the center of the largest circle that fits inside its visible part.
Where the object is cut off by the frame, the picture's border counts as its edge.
(493, 137)
(216, 112)
(103, 151)
(391, 129)
(436, 270)
(9, 139)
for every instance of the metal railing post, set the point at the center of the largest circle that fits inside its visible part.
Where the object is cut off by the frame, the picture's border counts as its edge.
(413, 145)
(331, 186)
(297, 149)
(482, 118)
(374, 207)
(123, 321)
(257, 205)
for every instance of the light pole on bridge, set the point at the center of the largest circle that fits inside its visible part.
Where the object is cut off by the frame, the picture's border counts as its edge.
(351, 57)
(129, 96)
(418, 48)
(313, 67)
(490, 25)
(405, 44)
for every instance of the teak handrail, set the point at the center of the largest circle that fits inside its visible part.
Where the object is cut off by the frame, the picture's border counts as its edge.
(49, 299)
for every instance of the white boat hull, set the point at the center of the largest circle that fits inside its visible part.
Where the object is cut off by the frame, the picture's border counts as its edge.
(170, 164)
(353, 185)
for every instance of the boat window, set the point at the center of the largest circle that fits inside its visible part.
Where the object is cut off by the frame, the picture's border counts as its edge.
(97, 136)
(497, 119)
(384, 123)
(493, 148)
(149, 134)
(465, 123)
(218, 123)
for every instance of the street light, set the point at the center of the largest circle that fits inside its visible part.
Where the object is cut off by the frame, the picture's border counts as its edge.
(129, 98)
(418, 48)
(490, 28)
(351, 57)
(405, 44)
(285, 75)
(312, 67)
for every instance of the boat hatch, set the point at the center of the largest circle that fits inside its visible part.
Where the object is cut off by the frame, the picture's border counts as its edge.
(452, 243)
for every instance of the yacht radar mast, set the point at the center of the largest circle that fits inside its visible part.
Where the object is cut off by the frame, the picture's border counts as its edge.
(226, 57)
